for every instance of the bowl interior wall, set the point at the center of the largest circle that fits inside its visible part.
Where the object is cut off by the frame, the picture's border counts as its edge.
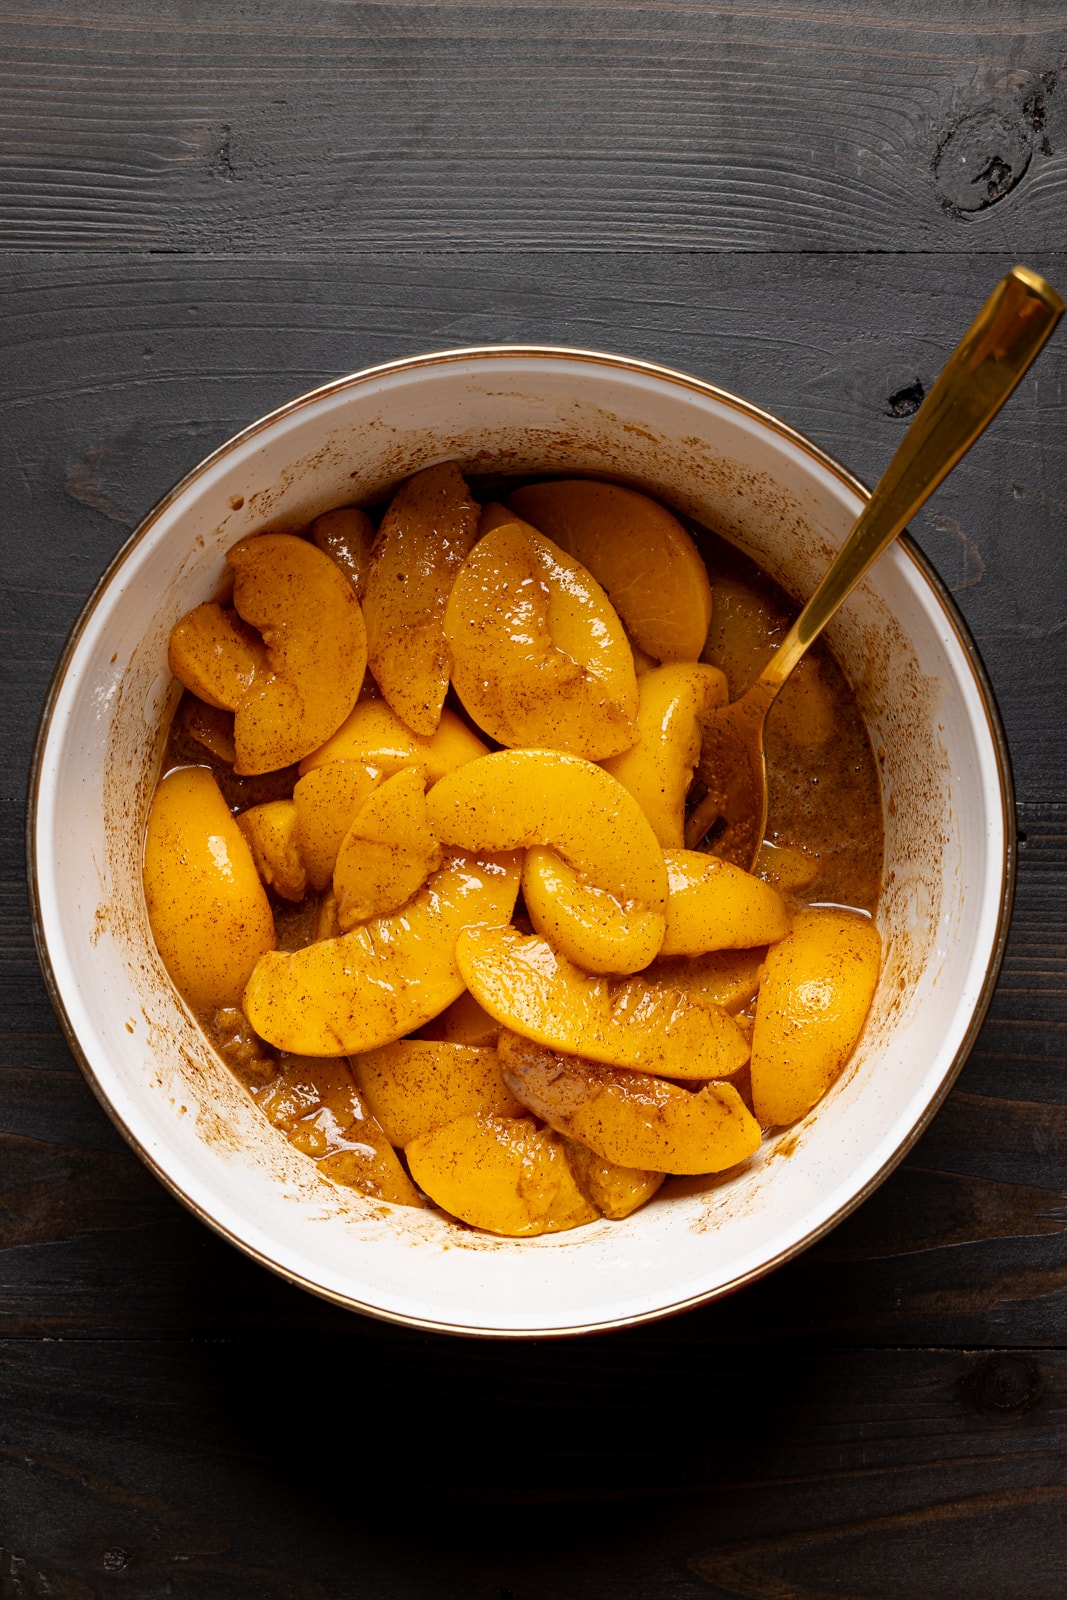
(183, 1110)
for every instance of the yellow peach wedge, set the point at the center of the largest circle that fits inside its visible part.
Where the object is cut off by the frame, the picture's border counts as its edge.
(505, 1175)
(642, 555)
(539, 656)
(315, 1103)
(527, 987)
(614, 1190)
(366, 988)
(517, 798)
(416, 1085)
(716, 906)
(814, 996)
(628, 1118)
(745, 632)
(308, 614)
(387, 854)
(726, 978)
(326, 800)
(659, 768)
(215, 655)
(273, 836)
(425, 536)
(210, 727)
(347, 537)
(589, 926)
(208, 910)
(375, 735)
(463, 1022)
(786, 867)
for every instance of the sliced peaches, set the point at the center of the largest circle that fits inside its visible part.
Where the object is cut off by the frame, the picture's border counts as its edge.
(527, 987)
(816, 990)
(415, 1085)
(272, 831)
(726, 978)
(589, 926)
(716, 906)
(463, 1022)
(516, 798)
(347, 537)
(615, 1191)
(309, 617)
(215, 655)
(425, 536)
(207, 908)
(387, 853)
(642, 555)
(539, 655)
(505, 1175)
(658, 769)
(386, 978)
(629, 1118)
(326, 801)
(315, 1103)
(375, 735)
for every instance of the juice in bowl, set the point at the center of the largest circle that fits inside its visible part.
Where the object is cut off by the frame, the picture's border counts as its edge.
(907, 675)
(503, 977)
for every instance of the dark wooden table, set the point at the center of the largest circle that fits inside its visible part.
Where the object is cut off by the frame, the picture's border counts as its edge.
(206, 208)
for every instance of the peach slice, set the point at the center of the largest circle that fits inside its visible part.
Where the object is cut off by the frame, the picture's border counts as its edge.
(326, 801)
(517, 798)
(387, 854)
(504, 1175)
(315, 1103)
(346, 535)
(272, 831)
(208, 911)
(716, 906)
(816, 990)
(415, 1085)
(615, 1191)
(786, 867)
(628, 1118)
(211, 727)
(366, 988)
(659, 768)
(539, 656)
(589, 926)
(463, 1022)
(375, 735)
(527, 987)
(726, 978)
(308, 614)
(214, 655)
(425, 536)
(641, 554)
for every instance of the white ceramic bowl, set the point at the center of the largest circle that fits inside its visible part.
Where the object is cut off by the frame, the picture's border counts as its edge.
(949, 840)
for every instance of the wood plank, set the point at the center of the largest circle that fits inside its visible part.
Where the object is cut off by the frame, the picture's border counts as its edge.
(129, 371)
(648, 1465)
(782, 125)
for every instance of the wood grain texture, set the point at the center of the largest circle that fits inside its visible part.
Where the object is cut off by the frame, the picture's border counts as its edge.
(655, 1467)
(787, 125)
(206, 209)
(127, 372)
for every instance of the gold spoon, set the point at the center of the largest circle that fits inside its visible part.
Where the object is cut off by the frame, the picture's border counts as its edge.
(995, 352)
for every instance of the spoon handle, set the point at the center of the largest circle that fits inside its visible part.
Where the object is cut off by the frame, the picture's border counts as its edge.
(994, 353)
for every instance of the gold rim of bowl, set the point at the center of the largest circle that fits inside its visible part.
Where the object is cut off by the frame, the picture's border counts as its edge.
(954, 619)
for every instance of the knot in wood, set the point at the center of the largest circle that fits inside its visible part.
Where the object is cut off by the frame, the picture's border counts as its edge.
(1003, 1383)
